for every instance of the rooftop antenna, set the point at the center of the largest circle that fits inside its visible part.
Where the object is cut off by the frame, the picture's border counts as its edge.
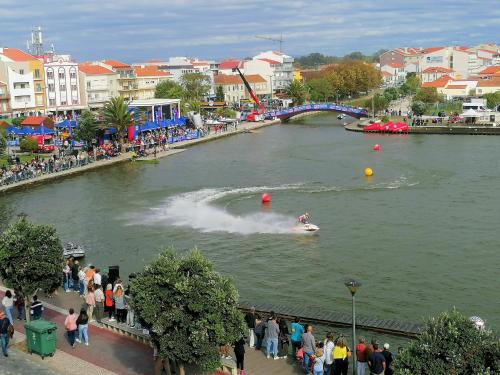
(35, 45)
(280, 40)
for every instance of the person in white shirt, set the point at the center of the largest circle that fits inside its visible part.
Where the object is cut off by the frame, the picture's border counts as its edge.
(97, 277)
(328, 349)
(8, 304)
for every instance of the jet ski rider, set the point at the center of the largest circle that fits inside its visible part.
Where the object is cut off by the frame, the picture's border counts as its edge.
(304, 219)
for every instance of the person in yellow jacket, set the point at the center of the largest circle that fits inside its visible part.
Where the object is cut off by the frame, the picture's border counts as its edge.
(341, 354)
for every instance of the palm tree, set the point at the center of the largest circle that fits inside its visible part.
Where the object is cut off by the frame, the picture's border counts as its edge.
(116, 115)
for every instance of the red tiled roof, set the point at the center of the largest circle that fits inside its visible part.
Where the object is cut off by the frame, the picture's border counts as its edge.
(17, 55)
(490, 70)
(462, 48)
(386, 74)
(494, 82)
(116, 64)
(272, 62)
(37, 121)
(440, 82)
(456, 86)
(91, 69)
(437, 69)
(395, 65)
(149, 71)
(488, 50)
(229, 64)
(431, 50)
(226, 79)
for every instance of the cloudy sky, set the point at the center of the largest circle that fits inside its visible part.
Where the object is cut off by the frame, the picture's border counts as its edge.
(138, 30)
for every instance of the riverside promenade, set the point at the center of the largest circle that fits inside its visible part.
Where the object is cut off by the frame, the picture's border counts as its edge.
(175, 148)
(108, 353)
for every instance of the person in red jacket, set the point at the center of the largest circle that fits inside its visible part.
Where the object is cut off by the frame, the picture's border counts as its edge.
(108, 302)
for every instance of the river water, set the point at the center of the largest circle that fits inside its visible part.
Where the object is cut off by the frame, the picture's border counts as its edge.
(422, 234)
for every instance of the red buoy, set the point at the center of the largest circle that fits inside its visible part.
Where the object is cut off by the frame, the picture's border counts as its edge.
(266, 198)
(376, 147)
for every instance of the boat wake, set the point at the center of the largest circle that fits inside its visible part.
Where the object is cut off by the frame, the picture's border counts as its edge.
(198, 209)
(195, 210)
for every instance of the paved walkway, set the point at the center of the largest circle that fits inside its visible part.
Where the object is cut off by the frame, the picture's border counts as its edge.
(111, 353)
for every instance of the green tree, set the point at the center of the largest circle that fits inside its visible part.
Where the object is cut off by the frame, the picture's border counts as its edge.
(411, 84)
(320, 89)
(196, 86)
(450, 344)
(28, 144)
(391, 93)
(492, 99)
(116, 115)
(418, 107)
(169, 90)
(16, 121)
(87, 128)
(379, 103)
(31, 257)
(428, 95)
(225, 112)
(3, 140)
(188, 308)
(219, 94)
(297, 92)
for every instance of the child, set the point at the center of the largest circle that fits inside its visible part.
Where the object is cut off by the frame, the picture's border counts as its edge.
(319, 361)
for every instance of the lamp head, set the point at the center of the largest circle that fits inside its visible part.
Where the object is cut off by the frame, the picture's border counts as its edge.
(353, 286)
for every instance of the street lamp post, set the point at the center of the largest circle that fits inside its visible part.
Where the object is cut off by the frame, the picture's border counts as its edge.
(353, 287)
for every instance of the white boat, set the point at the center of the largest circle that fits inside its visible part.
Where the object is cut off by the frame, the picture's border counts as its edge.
(72, 250)
(341, 116)
(305, 228)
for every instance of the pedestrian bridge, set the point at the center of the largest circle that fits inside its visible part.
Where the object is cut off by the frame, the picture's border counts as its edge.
(327, 107)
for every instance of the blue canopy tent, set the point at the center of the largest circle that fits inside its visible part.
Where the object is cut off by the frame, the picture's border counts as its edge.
(42, 130)
(14, 130)
(66, 124)
(27, 131)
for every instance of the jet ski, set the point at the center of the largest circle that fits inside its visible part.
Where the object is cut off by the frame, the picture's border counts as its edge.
(72, 250)
(305, 228)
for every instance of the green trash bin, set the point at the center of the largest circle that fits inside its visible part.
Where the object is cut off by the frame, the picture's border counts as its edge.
(41, 337)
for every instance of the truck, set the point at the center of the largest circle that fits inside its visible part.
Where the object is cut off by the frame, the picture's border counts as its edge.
(45, 142)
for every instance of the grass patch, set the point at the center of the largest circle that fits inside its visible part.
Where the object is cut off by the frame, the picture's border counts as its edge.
(23, 158)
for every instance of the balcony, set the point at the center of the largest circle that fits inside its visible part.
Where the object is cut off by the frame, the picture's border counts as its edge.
(4, 96)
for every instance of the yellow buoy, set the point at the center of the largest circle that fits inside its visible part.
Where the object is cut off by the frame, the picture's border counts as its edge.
(368, 172)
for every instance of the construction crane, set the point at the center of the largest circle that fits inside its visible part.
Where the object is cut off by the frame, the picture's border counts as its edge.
(280, 40)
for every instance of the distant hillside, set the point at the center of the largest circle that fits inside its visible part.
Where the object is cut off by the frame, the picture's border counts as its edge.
(313, 60)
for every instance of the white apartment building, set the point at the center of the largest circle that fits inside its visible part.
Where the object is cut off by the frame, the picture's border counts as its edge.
(62, 88)
(397, 73)
(98, 84)
(280, 66)
(455, 58)
(22, 76)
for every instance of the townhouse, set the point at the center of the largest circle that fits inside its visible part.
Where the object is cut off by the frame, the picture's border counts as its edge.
(98, 84)
(234, 89)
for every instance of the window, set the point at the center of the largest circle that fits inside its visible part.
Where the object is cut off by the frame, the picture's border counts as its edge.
(64, 103)
(74, 88)
(21, 71)
(51, 87)
(88, 85)
(52, 102)
(37, 73)
(62, 87)
(38, 87)
(62, 75)
(50, 74)
(72, 73)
